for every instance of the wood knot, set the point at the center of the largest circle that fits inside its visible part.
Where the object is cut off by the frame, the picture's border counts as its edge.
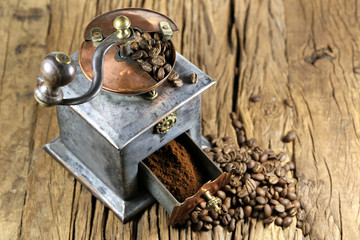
(321, 53)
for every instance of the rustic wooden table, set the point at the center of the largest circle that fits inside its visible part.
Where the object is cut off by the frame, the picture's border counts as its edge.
(300, 49)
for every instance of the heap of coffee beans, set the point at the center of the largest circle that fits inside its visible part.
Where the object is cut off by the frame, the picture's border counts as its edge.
(261, 187)
(153, 52)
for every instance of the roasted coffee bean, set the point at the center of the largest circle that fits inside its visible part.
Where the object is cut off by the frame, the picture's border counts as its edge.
(146, 66)
(274, 202)
(281, 157)
(251, 142)
(207, 219)
(231, 212)
(255, 98)
(280, 172)
(194, 78)
(152, 42)
(178, 83)
(250, 185)
(158, 61)
(157, 36)
(264, 158)
(143, 44)
(233, 116)
(134, 46)
(306, 228)
(207, 226)
(232, 225)
(290, 136)
(153, 52)
(286, 167)
(289, 206)
(215, 223)
(258, 176)
(227, 202)
(289, 102)
(250, 164)
(252, 195)
(283, 192)
(261, 200)
(224, 209)
(268, 220)
(291, 165)
(260, 192)
(292, 212)
(202, 205)
(296, 204)
(242, 193)
(234, 201)
(252, 202)
(146, 36)
(161, 73)
(287, 221)
(241, 139)
(167, 68)
(155, 69)
(258, 207)
(239, 213)
(279, 221)
(225, 220)
(257, 168)
(267, 210)
(236, 123)
(213, 214)
(283, 214)
(194, 217)
(173, 76)
(291, 188)
(284, 201)
(247, 211)
(273, 179)
(198, 226)
(137, 55)
(221, 194)
(235, 182)
(291, 196)
(203, 213)
(279, 208)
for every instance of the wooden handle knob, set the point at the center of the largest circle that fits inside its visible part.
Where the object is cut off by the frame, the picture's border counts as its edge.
(58, 69)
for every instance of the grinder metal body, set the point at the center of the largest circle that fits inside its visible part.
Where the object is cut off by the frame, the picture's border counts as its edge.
(106, 132)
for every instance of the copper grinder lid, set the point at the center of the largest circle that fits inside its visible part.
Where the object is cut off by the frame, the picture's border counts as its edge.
(123, 76)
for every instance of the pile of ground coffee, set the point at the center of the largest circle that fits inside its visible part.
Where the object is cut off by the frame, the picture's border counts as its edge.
(175, 168)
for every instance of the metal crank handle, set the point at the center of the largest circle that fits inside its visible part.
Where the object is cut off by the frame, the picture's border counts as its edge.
(58, 69)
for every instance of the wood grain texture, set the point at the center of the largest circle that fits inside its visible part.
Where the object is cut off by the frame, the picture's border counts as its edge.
(299, 49)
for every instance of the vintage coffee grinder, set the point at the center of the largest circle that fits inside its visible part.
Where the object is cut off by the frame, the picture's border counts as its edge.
(112, 114)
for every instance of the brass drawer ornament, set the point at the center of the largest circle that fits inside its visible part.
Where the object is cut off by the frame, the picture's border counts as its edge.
(166, 124)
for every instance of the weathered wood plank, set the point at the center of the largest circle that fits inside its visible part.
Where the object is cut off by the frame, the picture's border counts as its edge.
(22, 44)
(326, 94)
(263, 71)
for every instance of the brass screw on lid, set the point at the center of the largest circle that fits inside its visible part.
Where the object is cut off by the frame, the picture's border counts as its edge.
(122, 26)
